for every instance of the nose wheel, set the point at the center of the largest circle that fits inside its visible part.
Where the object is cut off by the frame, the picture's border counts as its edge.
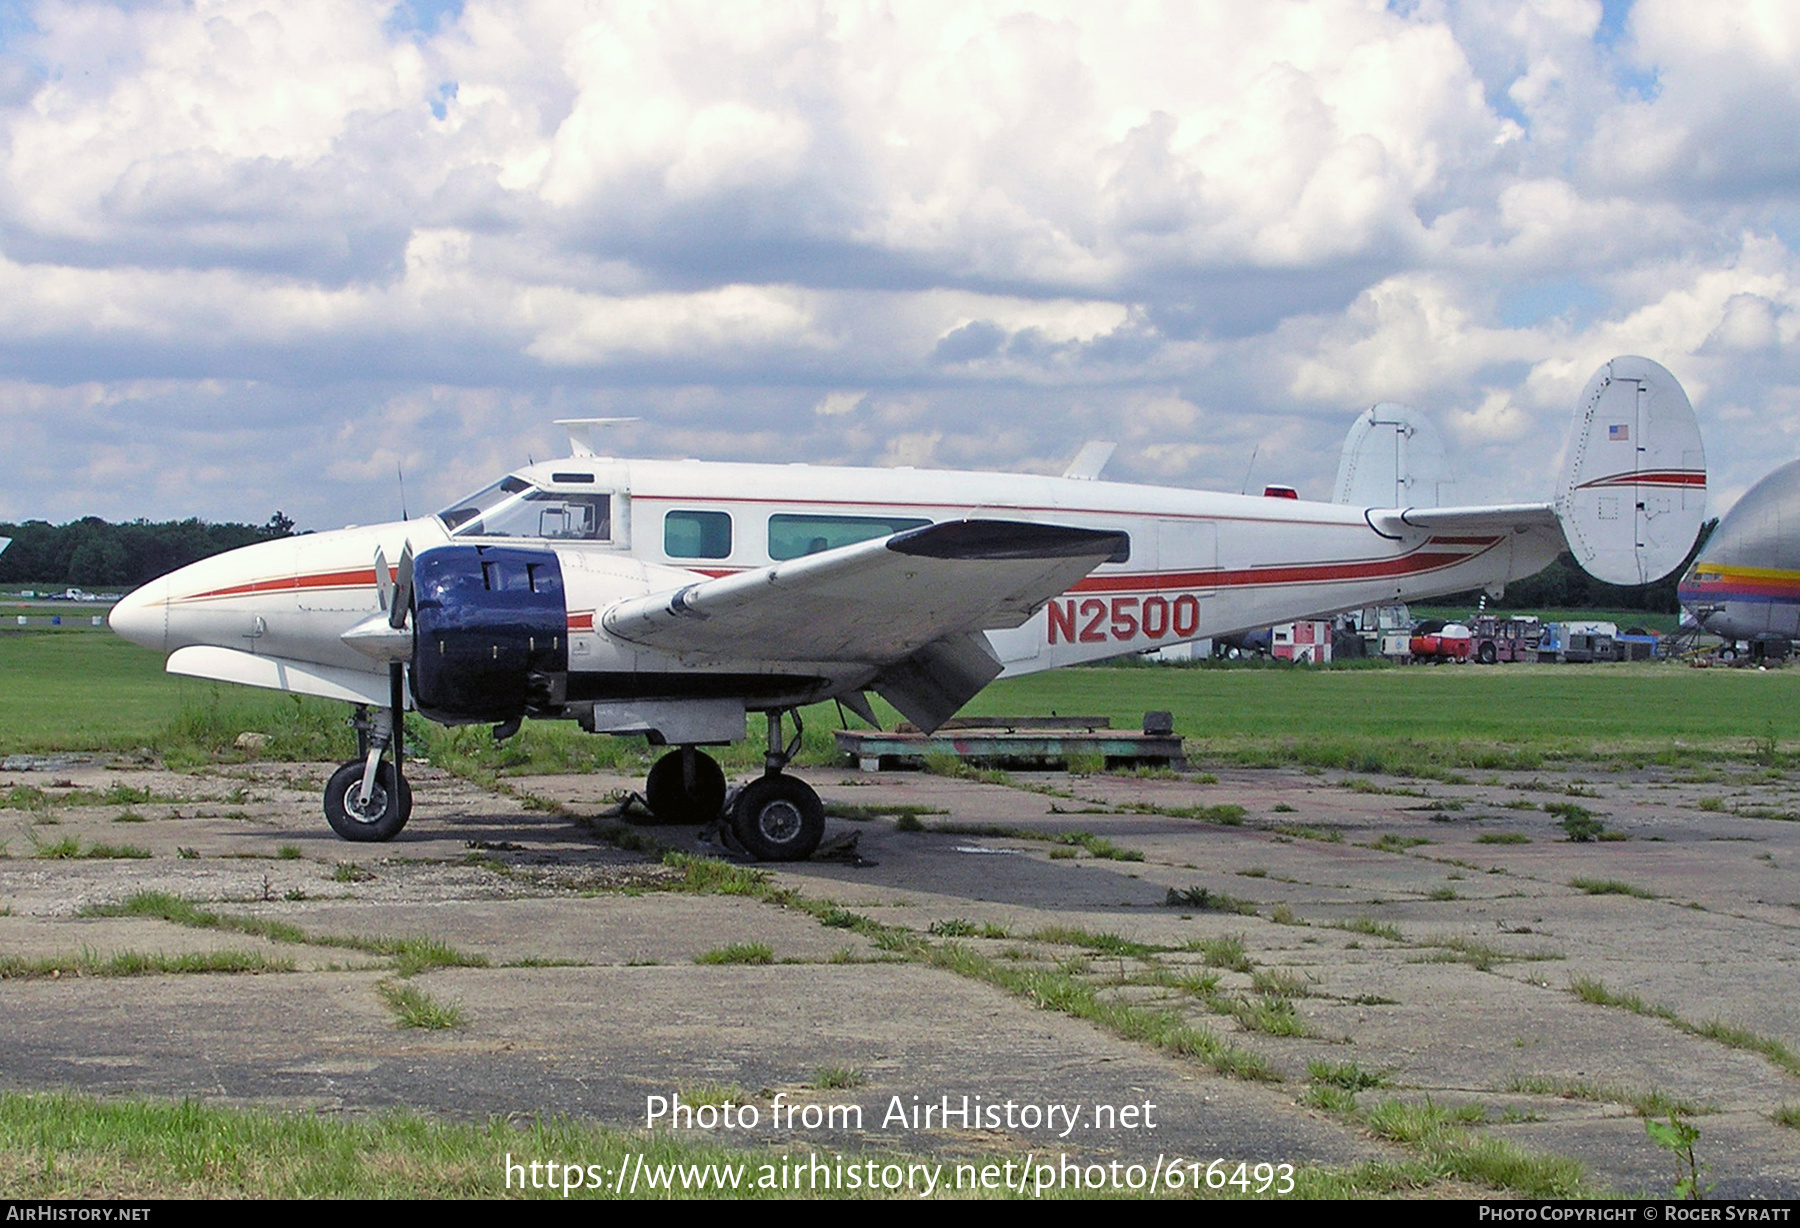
(380, 816)
(368, 800)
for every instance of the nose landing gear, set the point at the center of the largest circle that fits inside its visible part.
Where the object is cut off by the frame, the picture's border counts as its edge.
(368, 800)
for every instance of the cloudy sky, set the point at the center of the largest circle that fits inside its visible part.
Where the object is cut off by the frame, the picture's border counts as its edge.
(259, 254)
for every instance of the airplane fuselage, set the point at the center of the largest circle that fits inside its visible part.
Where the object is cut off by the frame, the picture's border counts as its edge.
(1745, 582)
(1198, 564)
(672, 599)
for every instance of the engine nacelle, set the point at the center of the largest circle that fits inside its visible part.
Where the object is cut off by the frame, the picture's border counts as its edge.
(491, 634)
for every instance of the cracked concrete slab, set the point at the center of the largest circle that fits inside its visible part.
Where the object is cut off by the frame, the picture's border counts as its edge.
(1410, 947)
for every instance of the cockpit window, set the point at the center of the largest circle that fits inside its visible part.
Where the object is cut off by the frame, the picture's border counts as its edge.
(513, 507)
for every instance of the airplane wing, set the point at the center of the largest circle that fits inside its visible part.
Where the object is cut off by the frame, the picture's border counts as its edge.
(912, 605)
(876, 601)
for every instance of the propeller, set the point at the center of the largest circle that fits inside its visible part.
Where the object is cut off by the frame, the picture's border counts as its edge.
(402, 597)
(384, 583)
(386, 635)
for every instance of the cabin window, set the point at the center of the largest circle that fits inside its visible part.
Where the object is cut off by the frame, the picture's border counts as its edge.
(793, 536)
(1123, 553)
(697, 535)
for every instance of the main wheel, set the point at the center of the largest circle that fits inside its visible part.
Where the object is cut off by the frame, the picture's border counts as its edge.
(778, 818)
(390, 803)
(666, 790)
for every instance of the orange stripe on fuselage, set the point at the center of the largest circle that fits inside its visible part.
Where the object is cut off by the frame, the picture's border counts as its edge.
(284, 584)
(1418, 560)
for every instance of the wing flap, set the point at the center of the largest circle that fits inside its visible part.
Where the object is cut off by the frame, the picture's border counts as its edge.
(929, 687)
(877, 601)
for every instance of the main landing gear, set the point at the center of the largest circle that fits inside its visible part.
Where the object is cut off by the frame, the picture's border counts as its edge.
(686, 786)
(368, 799)
(775, 817)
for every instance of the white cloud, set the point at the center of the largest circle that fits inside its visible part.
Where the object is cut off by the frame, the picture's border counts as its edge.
(1224, 227)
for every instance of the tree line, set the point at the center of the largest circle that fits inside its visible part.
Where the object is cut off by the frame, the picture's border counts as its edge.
(92, 553)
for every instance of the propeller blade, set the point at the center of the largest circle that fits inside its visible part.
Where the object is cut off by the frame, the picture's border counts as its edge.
(403, 589)
(384, 584)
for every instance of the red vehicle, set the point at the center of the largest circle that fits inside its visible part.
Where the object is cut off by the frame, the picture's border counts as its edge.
(1434, 640)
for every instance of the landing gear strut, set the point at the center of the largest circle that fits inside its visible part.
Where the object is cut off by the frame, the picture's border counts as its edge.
(686, 786)
(368, 799)
(777, 817)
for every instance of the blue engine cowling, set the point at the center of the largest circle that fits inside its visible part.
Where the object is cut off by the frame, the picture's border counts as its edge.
(491, 634)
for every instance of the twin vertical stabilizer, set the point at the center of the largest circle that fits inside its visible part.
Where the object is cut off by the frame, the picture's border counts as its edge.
(1633, 487)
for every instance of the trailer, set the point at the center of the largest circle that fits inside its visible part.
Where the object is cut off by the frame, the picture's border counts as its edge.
(1307, 642)
(1578, 643)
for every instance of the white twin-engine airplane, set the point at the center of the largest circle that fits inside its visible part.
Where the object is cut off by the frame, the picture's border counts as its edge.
(671, 599)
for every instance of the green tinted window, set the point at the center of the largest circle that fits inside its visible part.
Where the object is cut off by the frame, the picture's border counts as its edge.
(697, 535)
(792, 536)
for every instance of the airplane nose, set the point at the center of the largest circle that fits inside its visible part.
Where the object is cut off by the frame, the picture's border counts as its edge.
(142, 616)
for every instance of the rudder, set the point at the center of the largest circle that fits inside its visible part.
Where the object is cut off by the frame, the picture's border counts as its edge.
(1633, 488)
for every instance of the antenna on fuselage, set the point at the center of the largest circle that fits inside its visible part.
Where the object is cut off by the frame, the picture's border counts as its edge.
(1244, 487)
(582, 432)
(401, 474)
(1090, 460)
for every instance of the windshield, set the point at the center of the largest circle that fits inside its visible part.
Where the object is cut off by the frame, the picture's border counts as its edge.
(513, 507)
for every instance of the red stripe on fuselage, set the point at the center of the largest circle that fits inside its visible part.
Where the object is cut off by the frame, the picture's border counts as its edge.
(1411, 563)
(285, 584)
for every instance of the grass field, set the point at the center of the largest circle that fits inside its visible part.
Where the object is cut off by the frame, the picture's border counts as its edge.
(1454, 714)
(79, 691)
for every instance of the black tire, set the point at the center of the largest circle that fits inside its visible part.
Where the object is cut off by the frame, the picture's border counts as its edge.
(778, 818)
(1487, 655)
(669, 799)
(390, 805)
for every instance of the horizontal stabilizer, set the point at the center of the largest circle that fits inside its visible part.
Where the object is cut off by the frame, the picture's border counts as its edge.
(1501, 519)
